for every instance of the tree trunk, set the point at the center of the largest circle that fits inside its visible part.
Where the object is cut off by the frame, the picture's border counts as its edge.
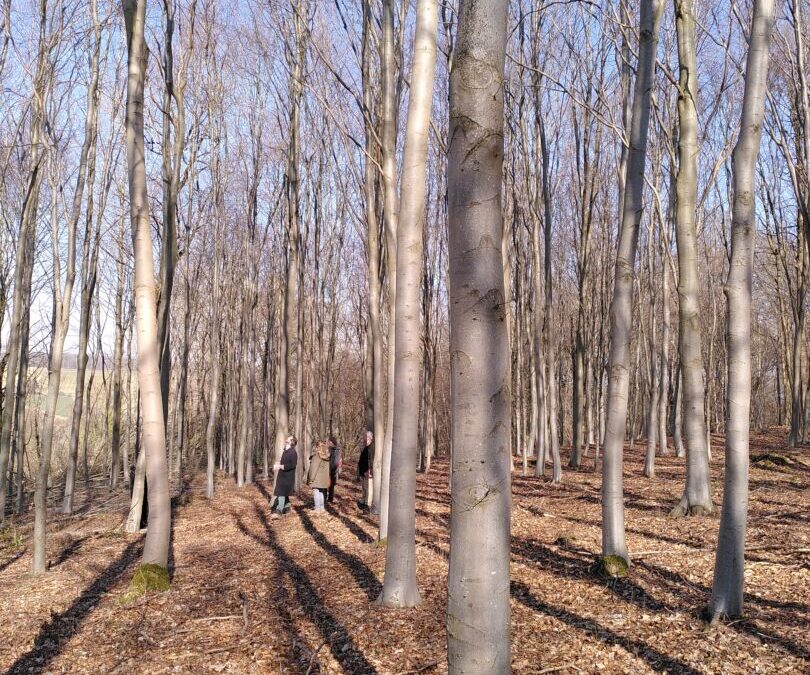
(374, 334)
(399, 586)
(156, 546)
(696, 498)
(388, 121)
(478, 616)
(727, 586)
(24, 260)
(62, 298)
(613, 539)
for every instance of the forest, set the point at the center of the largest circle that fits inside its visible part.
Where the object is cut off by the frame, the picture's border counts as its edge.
(404, 336)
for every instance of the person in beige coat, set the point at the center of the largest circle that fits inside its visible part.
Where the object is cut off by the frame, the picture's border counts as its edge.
(318, 475)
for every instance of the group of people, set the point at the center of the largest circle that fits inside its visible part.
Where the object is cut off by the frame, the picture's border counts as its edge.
(325, 465)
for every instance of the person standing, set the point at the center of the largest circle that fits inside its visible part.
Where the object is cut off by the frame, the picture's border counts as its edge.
(318, 474)
(364, 471)
(285, 476)
(335, 465)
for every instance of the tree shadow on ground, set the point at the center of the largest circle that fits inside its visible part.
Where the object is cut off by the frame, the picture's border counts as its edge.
(362, 574)
(657, 660)
(787, 613)
(70, 550)
(351, 659)
(12, 559)
(574, 566)
(362, 536)
(55, 634)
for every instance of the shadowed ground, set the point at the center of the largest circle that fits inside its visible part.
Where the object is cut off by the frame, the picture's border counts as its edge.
(255, 595)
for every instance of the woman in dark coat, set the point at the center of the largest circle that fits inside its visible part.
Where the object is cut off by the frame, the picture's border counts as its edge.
(285, 475)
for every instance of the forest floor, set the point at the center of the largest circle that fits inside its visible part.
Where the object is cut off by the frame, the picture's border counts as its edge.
(255, 595)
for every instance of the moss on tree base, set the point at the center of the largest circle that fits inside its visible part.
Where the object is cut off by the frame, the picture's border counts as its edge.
(613, 566)
(148, 577)
(682, 510)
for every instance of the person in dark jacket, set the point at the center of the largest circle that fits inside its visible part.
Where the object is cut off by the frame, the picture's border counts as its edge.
(364, 472)
(335, 465)
(285, 475)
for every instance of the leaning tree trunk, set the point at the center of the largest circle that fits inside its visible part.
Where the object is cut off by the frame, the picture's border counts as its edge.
(727, 587)
(478, 618)
(614, 548)
(156, 547)
(696, 498)
(399, 587)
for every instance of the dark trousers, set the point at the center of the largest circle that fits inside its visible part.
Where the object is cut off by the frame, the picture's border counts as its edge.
(330, 493)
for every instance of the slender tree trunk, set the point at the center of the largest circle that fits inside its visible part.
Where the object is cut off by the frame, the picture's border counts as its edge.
(696, 498)
(24, 255)
(156, 546)
(374, 332)
(613, 539)
(63, 296)
(478, 616)
(727, 586)
(388, 123)
(399, 587)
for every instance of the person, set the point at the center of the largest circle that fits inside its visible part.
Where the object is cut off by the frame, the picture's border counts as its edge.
(364, 469)
(145, 502)
(285, 476)
(318, 474)
(335, 465)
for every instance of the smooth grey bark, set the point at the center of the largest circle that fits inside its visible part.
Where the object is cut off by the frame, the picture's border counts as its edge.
(156, 546)
(729, 567)
(613, 536)
(389, 109)
(399, 586)
(478, 613)
(374, 332)
(696, 498)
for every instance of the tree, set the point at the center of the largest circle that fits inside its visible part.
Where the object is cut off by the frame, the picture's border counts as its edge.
(727, 586)
(63, 295)
(696, 497)
(478, 615)
(614, 548)
(399, 587)
(156, 547)
(17, 343)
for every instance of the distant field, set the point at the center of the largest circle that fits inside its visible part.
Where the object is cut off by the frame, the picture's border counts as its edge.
(67, 387)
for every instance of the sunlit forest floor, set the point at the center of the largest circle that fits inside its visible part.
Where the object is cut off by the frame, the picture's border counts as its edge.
(254, 595)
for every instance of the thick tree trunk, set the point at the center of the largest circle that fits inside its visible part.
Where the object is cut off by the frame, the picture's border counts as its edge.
(727, 586)
(696, 498)
(613, 538)
(399, 587)
(156, 546)
(478, 616)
